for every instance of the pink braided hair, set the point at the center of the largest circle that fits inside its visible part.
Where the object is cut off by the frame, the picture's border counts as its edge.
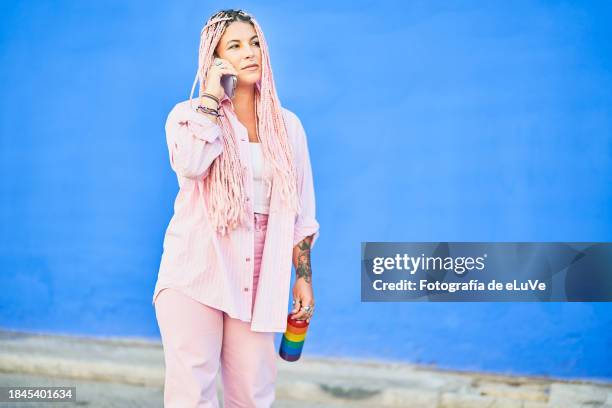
(225, 182)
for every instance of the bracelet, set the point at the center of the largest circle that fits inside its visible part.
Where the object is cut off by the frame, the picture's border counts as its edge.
(213, 97)
(204, 109)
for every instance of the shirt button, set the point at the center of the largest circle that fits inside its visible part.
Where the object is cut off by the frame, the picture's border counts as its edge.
(248, 199)
(246, 289)
(248, 259)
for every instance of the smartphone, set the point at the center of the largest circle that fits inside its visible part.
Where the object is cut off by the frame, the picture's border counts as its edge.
(228, 82)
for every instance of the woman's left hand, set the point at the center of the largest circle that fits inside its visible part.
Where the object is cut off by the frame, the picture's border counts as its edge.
(302, 297)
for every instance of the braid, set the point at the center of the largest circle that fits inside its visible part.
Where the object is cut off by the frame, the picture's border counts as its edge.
(225, 183)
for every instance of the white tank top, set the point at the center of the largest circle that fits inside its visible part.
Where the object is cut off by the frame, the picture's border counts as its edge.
(261, 203)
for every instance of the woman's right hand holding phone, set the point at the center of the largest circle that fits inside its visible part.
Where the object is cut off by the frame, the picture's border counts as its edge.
(212, 85)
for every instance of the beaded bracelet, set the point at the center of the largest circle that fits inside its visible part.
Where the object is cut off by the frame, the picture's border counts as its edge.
(204, 109)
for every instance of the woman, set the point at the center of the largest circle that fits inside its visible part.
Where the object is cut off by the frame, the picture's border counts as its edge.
(244, 212)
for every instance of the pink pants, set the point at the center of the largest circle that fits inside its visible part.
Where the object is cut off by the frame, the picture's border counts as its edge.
(198, 340)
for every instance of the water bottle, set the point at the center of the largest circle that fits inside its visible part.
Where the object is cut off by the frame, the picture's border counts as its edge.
(293, 339)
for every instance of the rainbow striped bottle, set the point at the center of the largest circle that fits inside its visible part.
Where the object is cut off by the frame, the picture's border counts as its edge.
(293, 339)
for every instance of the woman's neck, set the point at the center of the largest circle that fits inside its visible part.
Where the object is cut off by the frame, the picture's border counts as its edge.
(244, 99)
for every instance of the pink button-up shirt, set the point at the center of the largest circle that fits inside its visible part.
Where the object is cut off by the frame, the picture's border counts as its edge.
(218, 270)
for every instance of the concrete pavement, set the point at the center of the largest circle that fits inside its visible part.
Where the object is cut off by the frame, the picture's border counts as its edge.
(129, 373)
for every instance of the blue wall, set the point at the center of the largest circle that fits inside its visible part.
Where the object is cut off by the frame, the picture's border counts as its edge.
(426, 122)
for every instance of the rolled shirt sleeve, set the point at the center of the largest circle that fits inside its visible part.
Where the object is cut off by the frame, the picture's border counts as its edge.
(306, 223)
(193, 141)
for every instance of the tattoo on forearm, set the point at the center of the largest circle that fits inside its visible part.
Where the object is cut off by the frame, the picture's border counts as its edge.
(302, 268)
